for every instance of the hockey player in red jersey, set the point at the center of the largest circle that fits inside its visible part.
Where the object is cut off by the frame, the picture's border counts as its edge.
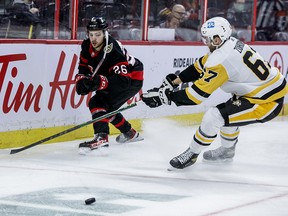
(118, 77)
(258, 92)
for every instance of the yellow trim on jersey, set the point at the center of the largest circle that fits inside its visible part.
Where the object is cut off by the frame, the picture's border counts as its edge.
(230, 135)
(197, 64)
(273, 97)
(211, 81)
(191, 97)
(258, 112)
(257, 90)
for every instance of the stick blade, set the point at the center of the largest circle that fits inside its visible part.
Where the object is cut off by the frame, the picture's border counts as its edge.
(14, 151)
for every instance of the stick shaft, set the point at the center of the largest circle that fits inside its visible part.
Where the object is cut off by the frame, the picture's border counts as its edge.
(14, 151)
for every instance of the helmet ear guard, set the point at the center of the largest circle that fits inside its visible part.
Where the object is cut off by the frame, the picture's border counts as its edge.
(216, 26)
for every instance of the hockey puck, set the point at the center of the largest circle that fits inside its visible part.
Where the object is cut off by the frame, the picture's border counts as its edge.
(90, 201)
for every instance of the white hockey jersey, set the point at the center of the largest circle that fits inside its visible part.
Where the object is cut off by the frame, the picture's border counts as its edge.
(238, 69)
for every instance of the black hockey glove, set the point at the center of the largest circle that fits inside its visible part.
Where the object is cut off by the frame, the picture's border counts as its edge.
(101, 82)
(86, 84)
(83, 84)
(157, 96)
(168, 81)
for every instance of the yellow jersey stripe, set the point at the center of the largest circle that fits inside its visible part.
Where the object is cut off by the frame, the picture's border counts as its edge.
(191, 97)
(273, 97)
(198, 64)
(256, 113)
(213, 78)
(257, 90)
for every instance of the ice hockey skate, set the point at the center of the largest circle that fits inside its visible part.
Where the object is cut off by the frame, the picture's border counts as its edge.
(220, 154)
(130, 136)
(100, 140)
(187, 158)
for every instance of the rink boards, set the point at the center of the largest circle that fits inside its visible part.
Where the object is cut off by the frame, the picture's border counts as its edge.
(38, 94)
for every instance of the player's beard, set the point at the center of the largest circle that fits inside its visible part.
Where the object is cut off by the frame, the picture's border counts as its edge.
(212, 48)
(97, 46)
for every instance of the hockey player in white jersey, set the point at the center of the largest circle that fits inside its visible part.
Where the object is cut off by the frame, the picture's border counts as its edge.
(258, 92)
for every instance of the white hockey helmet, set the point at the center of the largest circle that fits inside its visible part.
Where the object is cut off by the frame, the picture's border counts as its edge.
(216, 26)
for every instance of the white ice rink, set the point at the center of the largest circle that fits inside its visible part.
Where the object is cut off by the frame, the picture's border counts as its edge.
(133, 180)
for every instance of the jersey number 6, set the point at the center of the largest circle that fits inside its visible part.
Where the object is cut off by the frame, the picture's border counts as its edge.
(258, 67)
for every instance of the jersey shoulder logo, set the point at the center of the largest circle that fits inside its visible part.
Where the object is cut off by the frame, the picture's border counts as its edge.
(108, 48)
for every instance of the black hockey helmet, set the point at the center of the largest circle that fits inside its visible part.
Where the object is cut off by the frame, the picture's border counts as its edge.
(97, 23)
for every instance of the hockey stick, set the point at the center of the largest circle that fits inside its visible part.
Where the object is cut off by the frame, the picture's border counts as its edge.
(14, 151)
(104, 56)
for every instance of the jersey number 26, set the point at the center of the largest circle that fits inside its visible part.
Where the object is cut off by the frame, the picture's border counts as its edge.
(118, 69)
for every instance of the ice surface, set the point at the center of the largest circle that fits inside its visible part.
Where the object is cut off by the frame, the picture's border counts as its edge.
(132, 179)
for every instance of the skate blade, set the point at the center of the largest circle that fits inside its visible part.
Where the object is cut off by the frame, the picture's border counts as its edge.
(84, 151)
(173, 169)
(100, 150)
(220, 161)
(137, 139)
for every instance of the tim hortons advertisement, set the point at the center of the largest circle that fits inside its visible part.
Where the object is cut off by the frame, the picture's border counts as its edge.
(37, 82)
